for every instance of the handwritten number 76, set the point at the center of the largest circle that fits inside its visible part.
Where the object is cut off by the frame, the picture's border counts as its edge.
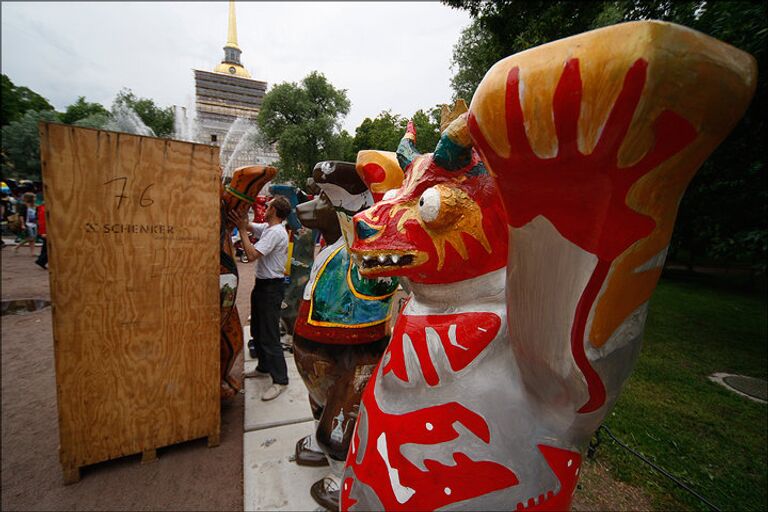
(144, 199)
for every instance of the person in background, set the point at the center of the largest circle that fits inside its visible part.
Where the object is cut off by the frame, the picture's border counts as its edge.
(270, 254)
(42, 260)
(4, 211)
(28, 215)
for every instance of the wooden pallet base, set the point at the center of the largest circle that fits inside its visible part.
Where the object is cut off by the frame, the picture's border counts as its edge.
(149, 456)
(72, 473)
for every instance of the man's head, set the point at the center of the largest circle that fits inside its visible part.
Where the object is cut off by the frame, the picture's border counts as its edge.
(280, 206)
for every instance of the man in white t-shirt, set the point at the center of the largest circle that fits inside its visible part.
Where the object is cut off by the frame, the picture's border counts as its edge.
(270, 254)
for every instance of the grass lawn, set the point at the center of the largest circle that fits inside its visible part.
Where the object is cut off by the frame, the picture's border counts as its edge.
(712, 439)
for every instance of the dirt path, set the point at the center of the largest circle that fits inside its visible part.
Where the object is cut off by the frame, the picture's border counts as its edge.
(187, 476)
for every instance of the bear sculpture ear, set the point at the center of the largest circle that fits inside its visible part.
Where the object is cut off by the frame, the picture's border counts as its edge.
(454, 149)
(245, 185)
(406, 150)
(448, 113)
(380, 171)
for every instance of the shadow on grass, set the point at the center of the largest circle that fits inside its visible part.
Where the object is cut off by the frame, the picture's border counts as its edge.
(744, 280)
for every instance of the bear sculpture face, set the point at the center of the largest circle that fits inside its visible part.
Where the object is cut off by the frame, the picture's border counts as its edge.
(440, 226)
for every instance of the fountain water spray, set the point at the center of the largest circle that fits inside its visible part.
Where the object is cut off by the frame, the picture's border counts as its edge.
(125, 119)
(185, 125)
(236, 129)
(244, 141)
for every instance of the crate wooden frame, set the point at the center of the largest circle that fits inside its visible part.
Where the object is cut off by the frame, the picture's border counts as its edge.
(133, 234)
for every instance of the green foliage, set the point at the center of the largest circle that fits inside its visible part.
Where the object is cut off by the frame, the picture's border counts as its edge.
(427, 129)
(160, 120)
(17, 101)
(21, 145)
(343, 145)
(382, 133)
(507, 27)
(710, 437)
(722, 215)
(303, 120)
(22, 109)
(82, 109)
(385, 131)
(473, 55)
(97, 121)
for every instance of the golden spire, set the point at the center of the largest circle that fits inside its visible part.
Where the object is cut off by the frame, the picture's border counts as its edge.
(232, 32)
(231, 63)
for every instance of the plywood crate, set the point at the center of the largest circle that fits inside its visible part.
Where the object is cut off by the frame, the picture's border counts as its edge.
(133, 228)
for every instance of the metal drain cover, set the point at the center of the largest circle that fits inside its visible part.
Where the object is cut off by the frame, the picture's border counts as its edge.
(756, 389)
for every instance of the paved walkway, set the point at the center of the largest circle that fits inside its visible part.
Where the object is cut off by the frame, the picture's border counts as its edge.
(271, 479)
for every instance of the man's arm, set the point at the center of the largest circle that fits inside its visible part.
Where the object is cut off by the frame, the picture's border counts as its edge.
(243, 226)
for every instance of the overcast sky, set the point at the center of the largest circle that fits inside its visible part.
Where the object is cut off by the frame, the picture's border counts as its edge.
(386, 55)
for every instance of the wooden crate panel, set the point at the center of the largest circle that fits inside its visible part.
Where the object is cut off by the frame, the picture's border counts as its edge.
(134, 255)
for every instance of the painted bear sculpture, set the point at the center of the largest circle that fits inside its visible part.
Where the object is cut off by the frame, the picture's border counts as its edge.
(508, 356)
(341, 329)
(238, 196)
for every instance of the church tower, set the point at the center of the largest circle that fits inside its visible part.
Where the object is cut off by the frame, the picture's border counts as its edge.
(231, 63)
(226, 94)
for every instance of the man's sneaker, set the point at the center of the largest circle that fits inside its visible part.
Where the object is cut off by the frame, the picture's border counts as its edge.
(273, 392)
(308, 453)
(326, 493)
(257, 374)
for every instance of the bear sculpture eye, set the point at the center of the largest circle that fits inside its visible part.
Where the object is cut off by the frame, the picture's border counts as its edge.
(429, 205)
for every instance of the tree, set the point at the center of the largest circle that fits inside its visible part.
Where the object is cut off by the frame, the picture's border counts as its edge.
(21, 144)
(98, 121)
(722, 215)
(16, 101)
(385, 131)
(473, 55)
(427, 129)
(507, 27)
(343, 146)
(159, 120)
(304, 121)
(82, 109)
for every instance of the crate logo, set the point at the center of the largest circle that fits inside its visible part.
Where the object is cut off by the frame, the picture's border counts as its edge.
(129, 229)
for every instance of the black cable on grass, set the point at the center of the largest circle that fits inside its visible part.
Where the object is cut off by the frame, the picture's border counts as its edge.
(596, 442)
